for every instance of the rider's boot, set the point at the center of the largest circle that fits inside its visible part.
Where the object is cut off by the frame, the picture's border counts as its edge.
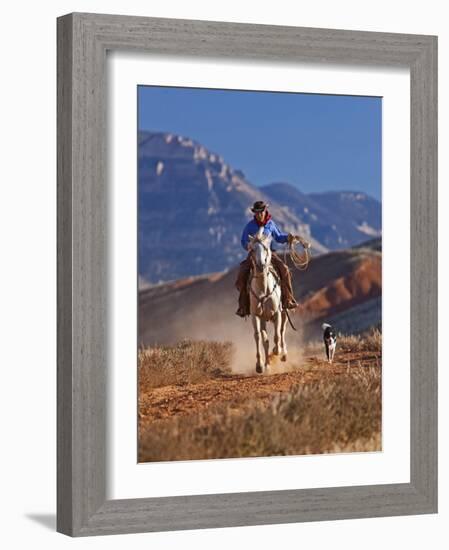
(290, 304)
(288, 300)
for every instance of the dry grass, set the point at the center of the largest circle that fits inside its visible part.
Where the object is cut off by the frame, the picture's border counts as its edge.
(371, 341)
(336, 414)
(188, 362)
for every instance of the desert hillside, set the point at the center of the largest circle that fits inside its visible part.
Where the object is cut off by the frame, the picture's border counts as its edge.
(343, 285)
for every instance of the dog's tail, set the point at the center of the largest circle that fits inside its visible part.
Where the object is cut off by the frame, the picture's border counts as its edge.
(324, 326)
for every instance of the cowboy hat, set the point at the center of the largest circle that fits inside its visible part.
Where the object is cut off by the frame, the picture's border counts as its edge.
(259, 206)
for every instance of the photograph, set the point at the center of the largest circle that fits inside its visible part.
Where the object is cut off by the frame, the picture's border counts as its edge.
(259, 273)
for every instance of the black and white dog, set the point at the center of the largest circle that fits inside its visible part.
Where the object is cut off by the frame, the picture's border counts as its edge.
(330, 341)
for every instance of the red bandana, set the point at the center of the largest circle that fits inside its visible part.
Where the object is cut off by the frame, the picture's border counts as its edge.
(265, 221)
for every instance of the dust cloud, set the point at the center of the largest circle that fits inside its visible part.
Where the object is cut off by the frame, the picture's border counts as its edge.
(203, 325)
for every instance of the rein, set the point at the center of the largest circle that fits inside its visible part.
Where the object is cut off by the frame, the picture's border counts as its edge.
(261, 299)
(300, 261)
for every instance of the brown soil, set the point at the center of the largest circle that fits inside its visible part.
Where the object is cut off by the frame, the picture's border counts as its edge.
(237, 391)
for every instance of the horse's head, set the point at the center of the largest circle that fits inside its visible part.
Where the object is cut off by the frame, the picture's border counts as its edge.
(261, 250)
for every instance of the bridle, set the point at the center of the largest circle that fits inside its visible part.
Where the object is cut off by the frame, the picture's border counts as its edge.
(260, 271)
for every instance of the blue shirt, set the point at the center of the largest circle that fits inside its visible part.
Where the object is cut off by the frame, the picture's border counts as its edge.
(270, 228)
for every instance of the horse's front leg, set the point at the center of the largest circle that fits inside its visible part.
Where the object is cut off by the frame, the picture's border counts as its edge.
(277, 321)
(257, 338)
(266, 343)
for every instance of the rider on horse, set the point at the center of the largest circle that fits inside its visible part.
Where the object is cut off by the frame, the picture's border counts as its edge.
(263, 218)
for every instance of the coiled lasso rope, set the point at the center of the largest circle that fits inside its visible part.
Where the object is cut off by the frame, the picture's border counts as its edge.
(300, 261)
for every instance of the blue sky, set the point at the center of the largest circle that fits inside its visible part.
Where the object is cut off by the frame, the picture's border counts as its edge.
(315, 142)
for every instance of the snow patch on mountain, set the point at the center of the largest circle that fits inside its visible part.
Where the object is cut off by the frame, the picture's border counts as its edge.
(368, 230)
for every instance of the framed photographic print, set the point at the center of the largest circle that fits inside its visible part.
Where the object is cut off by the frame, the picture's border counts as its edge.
(247, 284)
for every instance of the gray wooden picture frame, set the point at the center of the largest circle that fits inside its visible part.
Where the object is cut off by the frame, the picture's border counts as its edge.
(83, 40)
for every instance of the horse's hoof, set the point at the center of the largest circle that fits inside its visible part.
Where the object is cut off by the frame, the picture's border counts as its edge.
(259, 369)
(284, 358)
(275, 351)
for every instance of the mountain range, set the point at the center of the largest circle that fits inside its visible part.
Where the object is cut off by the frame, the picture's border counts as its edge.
(192, 207)
(337, 219)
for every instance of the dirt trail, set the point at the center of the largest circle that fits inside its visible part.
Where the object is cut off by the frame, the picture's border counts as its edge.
(238, 390)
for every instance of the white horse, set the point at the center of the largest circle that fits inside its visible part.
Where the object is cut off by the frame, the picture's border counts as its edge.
(265, 301)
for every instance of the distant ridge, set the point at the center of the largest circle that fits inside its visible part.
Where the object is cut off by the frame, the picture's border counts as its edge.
(337, 219)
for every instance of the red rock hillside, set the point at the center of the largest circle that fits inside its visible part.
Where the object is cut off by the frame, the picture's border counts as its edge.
(343, 287)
